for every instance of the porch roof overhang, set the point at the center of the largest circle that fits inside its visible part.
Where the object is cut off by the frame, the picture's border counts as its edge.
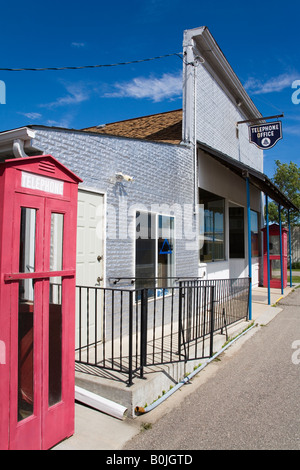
(256, 178)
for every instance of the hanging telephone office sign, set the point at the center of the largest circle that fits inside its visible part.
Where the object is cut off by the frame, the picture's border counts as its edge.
(265, 136)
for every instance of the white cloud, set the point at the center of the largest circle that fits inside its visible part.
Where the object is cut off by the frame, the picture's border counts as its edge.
(274, 84)
(63, 121)
(291, 124)
(78, 44)
(292, 130)
(77, 93)
(32, 116)
(156, 89)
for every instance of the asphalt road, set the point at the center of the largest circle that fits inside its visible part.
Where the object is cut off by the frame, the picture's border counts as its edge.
(250, 399)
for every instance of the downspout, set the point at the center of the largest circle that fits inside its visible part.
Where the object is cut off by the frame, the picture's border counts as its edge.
(189, 113)
(100, 403)
(197, 61)
(18, 149)
(195, 146)
(14, 142)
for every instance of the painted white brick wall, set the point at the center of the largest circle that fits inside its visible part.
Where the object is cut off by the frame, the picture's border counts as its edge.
(163, 174)
(216, 122)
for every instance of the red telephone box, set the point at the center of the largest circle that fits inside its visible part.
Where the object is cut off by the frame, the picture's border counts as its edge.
(274, 250)
(38, 220)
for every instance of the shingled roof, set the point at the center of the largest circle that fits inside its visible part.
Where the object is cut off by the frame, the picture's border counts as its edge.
(163, 127)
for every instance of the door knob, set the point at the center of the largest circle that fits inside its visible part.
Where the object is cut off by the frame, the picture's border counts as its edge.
(99, 258)
(99, 279)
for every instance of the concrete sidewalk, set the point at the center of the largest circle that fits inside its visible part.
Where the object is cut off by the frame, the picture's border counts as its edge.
(95, 430)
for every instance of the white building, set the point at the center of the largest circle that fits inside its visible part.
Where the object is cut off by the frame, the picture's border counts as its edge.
(167, 196)
(173, 162)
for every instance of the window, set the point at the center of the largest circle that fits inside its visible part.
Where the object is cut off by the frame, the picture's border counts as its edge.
(254, 233)
(275, 269)
(154, 250)
(145, 250)
(236, 232)
(55, 342)
(56, 247)
(212, 209)
(165, 262)
(274, 245)
(27, 240)
(26, 349)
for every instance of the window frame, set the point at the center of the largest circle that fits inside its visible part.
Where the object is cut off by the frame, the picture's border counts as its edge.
(210, 198)
(155, 230)
(255, 234)
(241, 255)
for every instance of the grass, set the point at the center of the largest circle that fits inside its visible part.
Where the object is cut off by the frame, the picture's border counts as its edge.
(146, 426)
(295, 279)
(232, 338)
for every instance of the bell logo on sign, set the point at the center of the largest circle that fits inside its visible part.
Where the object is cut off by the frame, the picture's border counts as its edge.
(266, 135)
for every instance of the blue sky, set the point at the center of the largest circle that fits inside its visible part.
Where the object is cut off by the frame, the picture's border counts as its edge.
(259, 39)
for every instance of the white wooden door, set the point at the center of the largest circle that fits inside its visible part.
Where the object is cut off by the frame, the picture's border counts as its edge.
(90, 237)
(89, 268)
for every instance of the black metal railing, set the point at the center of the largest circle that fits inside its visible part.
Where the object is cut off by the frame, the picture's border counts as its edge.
(126, 330)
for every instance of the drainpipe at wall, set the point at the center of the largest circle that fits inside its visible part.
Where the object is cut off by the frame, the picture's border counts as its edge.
(17, 142)
(195, 146)
(197, 61)
(191, 61)
(18, 149)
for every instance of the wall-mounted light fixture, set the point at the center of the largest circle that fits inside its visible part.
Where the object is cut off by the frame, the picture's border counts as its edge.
(121, 177)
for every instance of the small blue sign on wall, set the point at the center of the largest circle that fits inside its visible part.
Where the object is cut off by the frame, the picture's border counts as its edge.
(165, 249)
